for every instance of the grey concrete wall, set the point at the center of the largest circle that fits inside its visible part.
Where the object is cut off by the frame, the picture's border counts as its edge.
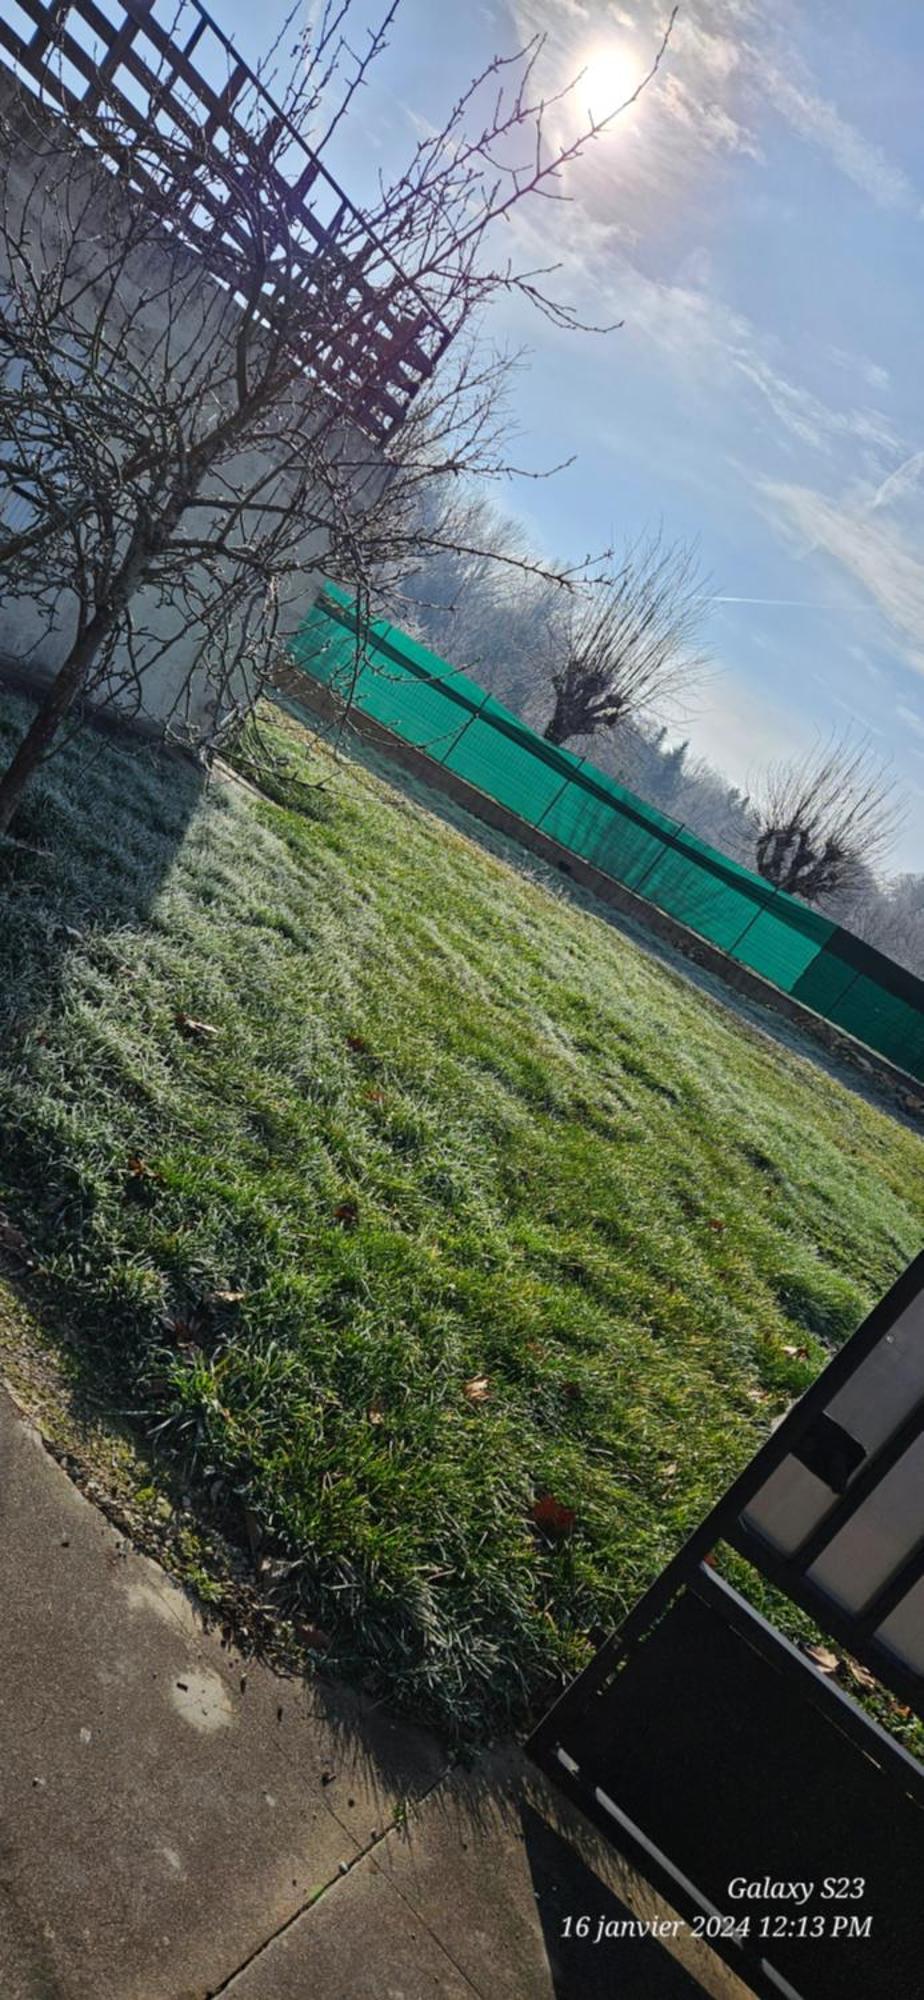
(72, 221)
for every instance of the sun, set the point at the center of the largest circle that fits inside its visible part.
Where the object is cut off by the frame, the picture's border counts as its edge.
(611, 72)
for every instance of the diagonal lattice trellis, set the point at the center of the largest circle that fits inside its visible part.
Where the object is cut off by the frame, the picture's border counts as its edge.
(143, 88)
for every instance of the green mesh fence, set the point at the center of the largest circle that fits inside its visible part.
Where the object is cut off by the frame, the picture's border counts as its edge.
(419, 697)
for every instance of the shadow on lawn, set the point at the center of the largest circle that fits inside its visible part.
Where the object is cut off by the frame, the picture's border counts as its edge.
(91, 843)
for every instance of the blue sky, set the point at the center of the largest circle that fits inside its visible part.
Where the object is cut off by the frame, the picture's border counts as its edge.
(756, 222)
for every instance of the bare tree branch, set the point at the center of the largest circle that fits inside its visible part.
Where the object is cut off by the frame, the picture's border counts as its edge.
(196, 380)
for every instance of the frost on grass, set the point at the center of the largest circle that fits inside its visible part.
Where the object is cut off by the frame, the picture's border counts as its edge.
(448, 1131)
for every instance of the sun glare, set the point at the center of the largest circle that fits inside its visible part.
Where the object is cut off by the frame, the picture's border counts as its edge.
(611, 72)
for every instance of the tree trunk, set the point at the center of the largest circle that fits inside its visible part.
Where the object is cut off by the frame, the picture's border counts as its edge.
(554, 731)
(50, 714)
(146, 543)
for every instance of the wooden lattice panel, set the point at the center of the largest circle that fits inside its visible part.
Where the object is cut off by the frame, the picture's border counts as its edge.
(129, 77)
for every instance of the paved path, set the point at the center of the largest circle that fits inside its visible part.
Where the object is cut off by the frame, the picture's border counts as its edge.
(176, 1825)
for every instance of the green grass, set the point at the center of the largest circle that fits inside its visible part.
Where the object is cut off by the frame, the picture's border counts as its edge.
(449, 1127)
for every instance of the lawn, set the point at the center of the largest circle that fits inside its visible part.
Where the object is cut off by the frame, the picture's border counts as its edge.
(455, 1249)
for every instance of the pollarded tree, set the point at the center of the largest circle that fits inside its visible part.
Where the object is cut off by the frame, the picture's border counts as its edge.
(629, 645)
(823, 818)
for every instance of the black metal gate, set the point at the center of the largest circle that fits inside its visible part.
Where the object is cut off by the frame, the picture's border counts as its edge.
(777, 1817)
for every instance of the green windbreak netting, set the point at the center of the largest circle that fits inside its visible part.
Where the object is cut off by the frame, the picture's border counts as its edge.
(422, 699)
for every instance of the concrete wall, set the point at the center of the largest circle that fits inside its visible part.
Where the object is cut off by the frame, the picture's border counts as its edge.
(70, 225)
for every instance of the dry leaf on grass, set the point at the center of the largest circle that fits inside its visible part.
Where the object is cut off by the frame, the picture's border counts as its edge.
(376, 1416)
(141, 1181)
(347, 1214)
(478, 1389)
(549, 1514)
(196, 1031)
(223, 1298)
(823, 1658)
(313, 1636)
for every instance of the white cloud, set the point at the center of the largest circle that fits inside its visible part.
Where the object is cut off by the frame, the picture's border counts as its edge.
(660, 163)
(708, 344)
(900, 483)
(870, 372)
(912, 718)
(814, 119)
(875, 553)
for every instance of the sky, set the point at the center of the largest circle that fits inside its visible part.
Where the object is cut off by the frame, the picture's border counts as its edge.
(755, 222)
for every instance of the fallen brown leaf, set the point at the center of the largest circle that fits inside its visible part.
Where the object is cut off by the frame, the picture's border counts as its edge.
(347, 1214)
(223, 1298)
(314, 1636)
(376, 1416)
(478, 1389)
(549, 1514)
(196, 1031)
(358, 1044)
(823, 1658)
(861, 1675)
(141, 1180)
(716, 1223)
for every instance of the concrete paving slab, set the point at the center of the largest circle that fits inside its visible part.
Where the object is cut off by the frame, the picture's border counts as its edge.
(495, 1861)
(487, 1869)
(158, 1819)
(360, 1942)
(176, 1824)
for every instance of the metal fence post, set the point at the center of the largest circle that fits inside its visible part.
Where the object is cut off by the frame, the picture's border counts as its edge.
(761, 910)
(476, 712)
(637, 887)
(559, 794)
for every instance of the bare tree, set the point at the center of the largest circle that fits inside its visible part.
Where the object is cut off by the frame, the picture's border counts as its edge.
(824, 818)
(190, 378)
(628, 645)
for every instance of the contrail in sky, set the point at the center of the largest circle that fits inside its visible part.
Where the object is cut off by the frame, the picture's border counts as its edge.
(899, 482)
(789, 603)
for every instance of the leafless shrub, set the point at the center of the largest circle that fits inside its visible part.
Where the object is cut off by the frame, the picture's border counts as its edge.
(824, 817)
(630, 644)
